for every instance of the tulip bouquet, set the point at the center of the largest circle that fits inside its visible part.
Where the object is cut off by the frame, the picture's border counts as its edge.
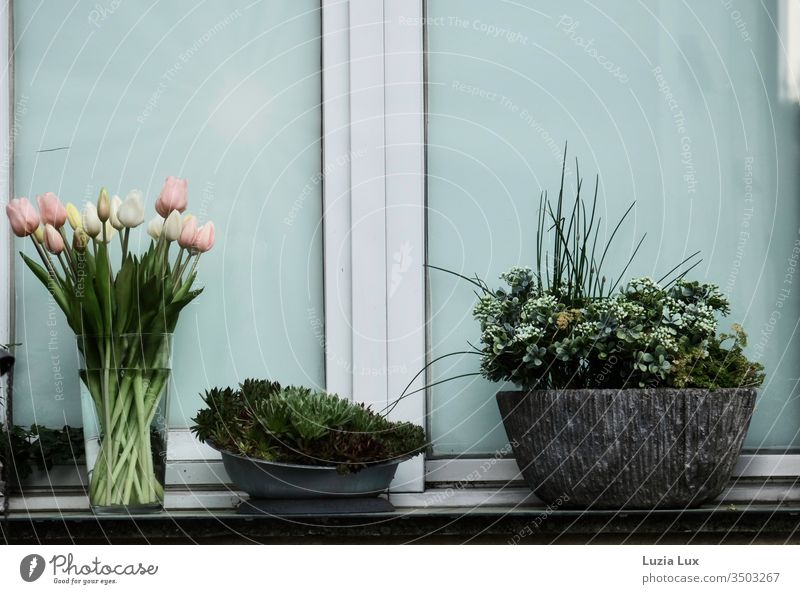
(123, 320)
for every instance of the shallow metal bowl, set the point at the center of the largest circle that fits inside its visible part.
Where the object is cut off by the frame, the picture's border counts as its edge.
(276, 480)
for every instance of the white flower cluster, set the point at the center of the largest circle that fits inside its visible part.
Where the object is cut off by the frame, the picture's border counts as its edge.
(487, 308)
(691, 317)
(542, 305)
(527, 333)
(588, 328)
(662, 335)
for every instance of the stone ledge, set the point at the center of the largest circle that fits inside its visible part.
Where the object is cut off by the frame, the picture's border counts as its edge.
(752, 524)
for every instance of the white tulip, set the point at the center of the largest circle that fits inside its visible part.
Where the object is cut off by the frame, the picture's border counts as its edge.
(131, 212)
(173, 226)
(116, 202)
(91, 222)
(155, 226)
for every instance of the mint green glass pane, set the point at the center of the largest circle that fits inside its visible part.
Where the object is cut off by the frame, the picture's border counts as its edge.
(225, 94)
(682, 107)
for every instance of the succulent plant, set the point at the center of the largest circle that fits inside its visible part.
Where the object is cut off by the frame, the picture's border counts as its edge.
(260, 419)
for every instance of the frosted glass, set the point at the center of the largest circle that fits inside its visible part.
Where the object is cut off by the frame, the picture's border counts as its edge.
(226, 94)
(680, 106)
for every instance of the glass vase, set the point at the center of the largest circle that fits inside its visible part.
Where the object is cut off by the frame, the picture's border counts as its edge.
(124, 394)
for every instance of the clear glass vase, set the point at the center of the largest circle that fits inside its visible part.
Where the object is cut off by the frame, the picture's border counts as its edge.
(124, 394)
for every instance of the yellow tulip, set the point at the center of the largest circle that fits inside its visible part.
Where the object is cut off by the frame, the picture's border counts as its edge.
(73, 216)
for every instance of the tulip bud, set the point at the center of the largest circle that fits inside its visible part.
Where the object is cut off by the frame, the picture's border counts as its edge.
(131, 213)
(91, 220)
(51, 210)
(73, 216)
(103, 206)
(39, 234)
(155, 226)
(116, 202)
(204, 239)
(188, 231)
(172, 226)
(80, 239)
(53, 240)
(22, 217)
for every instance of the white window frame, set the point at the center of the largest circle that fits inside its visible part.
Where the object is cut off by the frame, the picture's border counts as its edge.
(375, 312)
(6, 180)
(373, 138)
(373, 165)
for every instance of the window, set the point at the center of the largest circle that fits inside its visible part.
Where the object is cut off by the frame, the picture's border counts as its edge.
(226, 95)
(341, 145)
(676, 106)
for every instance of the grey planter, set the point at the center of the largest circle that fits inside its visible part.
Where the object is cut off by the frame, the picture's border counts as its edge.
(627, 449)
(273, 480)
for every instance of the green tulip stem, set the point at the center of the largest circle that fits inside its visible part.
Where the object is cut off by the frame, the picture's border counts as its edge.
(46, 259)
(67, 269)
(177, 271)
(125, 236)
(131, 388)
(68, 252)
(194, 265)
(107, 403)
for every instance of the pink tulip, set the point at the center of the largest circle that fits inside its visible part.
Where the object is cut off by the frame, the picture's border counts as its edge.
(174, 196)
(188, 232)
(204, 239)
(22, 216)
(53, 240)
(53, 212)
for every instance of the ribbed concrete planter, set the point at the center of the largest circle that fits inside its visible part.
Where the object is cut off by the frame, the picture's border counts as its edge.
(627, 449)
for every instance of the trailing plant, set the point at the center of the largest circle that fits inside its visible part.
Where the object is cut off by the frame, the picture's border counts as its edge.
(723, 366)
(23, 449)
(260, 419)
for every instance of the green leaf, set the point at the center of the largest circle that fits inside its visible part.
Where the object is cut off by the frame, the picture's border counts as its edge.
(91, 319)
(52, 285)
(184, 290)
(102, 282)
(124, 292)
